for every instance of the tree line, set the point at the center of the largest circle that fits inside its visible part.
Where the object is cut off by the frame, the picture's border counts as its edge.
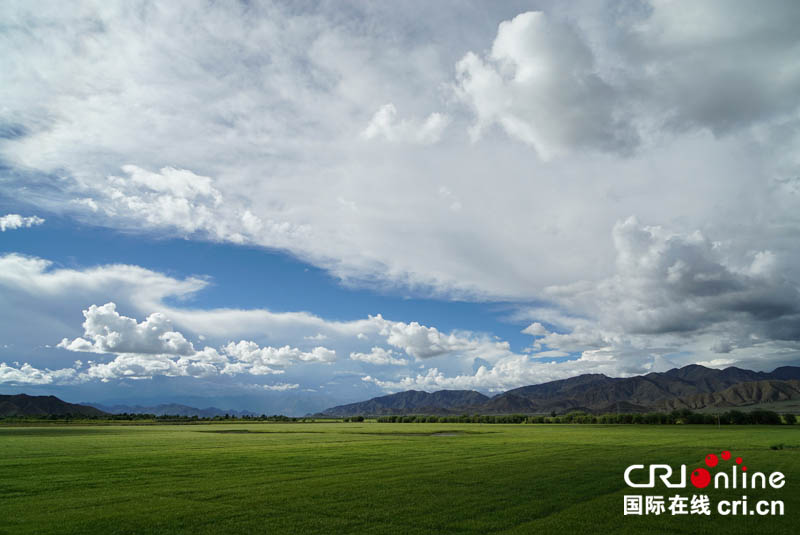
(683, 416)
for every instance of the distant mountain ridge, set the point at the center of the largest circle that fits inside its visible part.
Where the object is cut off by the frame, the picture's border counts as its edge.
(170, 409)
(692, 386)
(25, 405)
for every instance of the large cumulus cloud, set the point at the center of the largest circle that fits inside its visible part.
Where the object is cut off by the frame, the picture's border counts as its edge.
(667, 282)
(109, 332)
(540, 83)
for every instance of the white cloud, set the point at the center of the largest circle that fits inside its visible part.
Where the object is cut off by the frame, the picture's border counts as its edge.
(38, 279)
(281, 387)
(29, 375)
(379, 356)
(262, 360)
(316, 337)
(541, 85)
(671, 283)
(135, 367)
(675, 293)
(15, 221)
(422, 342)
(142, 349)
(42, 298)
(615, 73)
(510, 372)
(385, 124)
(181, 200)
(535, 329)
(109, 332)
(717, 363)
(152, 348)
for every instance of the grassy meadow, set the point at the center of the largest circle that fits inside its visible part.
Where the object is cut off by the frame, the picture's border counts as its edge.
(370, 478)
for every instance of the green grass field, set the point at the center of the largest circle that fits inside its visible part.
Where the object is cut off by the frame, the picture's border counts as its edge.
(369, 478)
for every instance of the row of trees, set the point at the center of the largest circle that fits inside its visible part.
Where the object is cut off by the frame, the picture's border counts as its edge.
(684, 416)
(462, 419)
(227, 417)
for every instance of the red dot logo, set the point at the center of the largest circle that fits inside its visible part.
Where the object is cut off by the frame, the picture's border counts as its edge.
(726, 455)
(711, 460)
(738, 460)
(744, 469)
(700, 478)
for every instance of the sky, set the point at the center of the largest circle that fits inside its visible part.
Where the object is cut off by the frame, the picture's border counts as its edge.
(281, 207)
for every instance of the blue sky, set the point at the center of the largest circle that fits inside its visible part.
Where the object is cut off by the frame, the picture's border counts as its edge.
(254, 277)
(280, 207)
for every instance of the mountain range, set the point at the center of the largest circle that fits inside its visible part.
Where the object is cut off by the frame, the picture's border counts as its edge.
(170, 409)
(693, 387)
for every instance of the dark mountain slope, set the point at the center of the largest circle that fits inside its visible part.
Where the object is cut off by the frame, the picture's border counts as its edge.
(739, 395)
(25, 405)
(598, 391)
(563, 387)
(409, 402)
